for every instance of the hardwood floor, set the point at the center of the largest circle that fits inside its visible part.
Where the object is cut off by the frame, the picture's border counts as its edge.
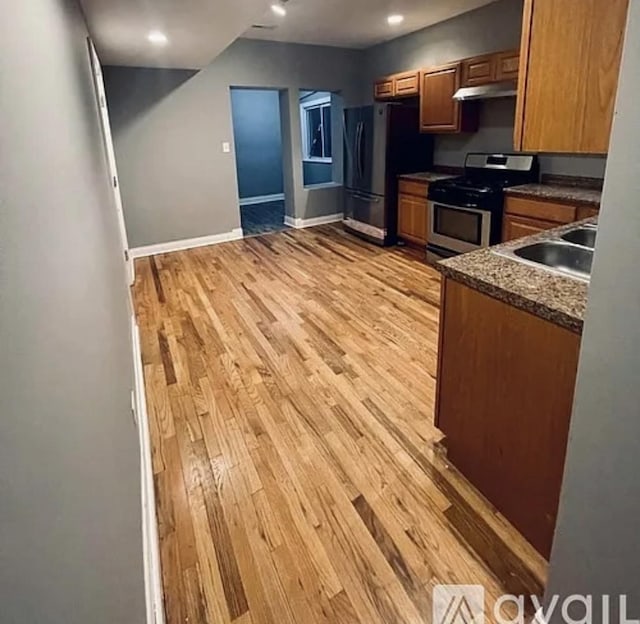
(290, 385)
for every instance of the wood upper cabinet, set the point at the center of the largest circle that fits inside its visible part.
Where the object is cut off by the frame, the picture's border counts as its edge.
(489, 68)
(505, 387)
(569, 65)
(507, 65)
(406, 84)
(439, 112)
(479, 70)
(383, 89)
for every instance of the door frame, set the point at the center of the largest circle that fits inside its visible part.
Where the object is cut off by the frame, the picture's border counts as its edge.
(107, 139)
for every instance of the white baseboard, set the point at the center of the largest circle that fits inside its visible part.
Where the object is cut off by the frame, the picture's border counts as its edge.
(261, 199)
(306, 223)
(187, 243)
(154, 597)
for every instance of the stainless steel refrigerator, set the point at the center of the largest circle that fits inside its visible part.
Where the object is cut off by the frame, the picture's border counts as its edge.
(381, 142)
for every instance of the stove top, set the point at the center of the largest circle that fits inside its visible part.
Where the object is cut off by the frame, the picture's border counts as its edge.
(484, 180)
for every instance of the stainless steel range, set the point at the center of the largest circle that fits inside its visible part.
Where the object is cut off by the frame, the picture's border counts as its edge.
(465, 213)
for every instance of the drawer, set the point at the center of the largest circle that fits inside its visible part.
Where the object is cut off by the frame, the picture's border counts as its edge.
(413, 187)
(383, 89)
(406, 84)
(535, 209)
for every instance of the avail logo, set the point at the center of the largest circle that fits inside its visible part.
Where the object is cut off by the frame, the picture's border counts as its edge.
(458, 604)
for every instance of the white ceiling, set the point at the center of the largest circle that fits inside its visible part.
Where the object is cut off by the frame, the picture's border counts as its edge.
(198, 30)
(355, 23)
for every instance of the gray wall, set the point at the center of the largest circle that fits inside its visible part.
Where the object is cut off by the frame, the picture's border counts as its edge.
(596, 548)
(491, 28)
(258, 141)
(175, 180)
(70, 536)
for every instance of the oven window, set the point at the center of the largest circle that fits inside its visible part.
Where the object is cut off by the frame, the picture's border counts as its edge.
(458, 224)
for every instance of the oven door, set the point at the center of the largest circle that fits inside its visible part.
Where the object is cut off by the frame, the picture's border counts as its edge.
(458, 229)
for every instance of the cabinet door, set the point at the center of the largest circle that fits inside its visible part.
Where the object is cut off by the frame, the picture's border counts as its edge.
(540, 210)
(571, 60)
(507, 65)
(439, 112)
(383, 89)
(478, 71)
(584, 212)
(405, 216)
(412, 219)
(518, 227)
(407, 84)
(505, 390)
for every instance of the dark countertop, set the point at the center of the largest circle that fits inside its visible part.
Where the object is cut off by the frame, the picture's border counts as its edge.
(558, 299)
(558, 192)
(425, 176)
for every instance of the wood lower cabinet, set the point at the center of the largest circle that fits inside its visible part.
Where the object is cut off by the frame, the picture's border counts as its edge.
(524, 216)
(504, 398)
(412, 219)
(413, 215)
(570, 61)
(439, 112)
(518, 227)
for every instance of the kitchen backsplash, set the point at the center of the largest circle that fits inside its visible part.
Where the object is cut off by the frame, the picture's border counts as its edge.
(495, 134)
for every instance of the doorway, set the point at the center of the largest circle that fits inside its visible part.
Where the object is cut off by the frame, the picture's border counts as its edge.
(258, 142)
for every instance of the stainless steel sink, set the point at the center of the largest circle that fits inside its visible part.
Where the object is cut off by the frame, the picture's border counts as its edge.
(569, 253)
(584, 236)
(560, 256)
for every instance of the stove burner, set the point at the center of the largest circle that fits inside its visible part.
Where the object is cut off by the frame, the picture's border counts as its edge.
(483, 183)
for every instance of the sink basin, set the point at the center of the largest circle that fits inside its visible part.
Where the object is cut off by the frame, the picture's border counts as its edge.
(585, 236)
(559, 256)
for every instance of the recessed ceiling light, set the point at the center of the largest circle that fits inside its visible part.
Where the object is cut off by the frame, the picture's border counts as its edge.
(394, 20)
(157, 38)
(278, 9)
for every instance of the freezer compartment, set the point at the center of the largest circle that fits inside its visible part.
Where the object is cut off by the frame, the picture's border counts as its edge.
(366, 214)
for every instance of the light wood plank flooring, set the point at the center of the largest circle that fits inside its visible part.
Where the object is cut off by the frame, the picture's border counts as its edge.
(291, 383)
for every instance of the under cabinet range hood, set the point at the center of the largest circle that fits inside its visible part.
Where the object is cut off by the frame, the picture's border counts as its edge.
(508, 88)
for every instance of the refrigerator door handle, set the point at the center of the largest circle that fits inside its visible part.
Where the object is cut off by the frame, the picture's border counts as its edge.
(356, 154)
(360, 151)
(366, 198)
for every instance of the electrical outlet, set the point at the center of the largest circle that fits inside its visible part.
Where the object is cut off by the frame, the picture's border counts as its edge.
(226, 147)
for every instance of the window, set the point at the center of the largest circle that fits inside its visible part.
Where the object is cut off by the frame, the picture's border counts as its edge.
(316, 128)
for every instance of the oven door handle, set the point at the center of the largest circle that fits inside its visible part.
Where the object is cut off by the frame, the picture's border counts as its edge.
(433, 204)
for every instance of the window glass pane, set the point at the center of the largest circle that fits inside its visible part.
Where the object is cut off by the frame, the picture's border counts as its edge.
(326, 123)
(314, 120)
